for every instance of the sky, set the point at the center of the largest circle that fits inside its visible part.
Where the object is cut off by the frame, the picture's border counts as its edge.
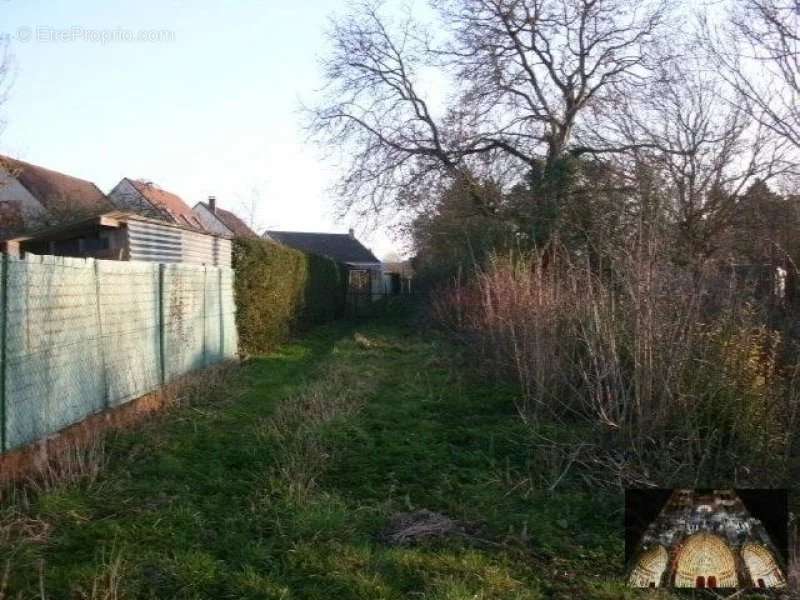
(208, 104)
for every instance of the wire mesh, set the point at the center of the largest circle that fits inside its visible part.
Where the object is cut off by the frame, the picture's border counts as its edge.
(82, 335)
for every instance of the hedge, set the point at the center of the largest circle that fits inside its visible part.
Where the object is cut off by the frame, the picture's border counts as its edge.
(279, 291)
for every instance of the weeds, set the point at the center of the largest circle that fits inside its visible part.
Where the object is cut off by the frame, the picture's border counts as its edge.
(107, 583)
(297, 426)
(673, 376)
(207, 386)
(78, 466)
(79, 461)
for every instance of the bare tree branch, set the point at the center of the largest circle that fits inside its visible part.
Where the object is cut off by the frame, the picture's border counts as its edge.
(758, 51)
(521, 73)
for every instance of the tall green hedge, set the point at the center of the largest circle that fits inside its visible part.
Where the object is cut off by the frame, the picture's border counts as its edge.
(280, 290)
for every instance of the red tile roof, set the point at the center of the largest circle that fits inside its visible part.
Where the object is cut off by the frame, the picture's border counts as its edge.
(238, 227)
(175, 209)
(56, 191)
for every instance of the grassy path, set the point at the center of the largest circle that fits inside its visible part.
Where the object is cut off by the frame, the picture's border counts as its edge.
(279, 484)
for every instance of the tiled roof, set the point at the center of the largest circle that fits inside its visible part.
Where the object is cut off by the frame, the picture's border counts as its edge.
(56, 191)
(238, 227)
(168, 203)
(340, 247)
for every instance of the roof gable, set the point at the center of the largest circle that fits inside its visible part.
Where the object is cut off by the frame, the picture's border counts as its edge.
(232, 222)
(170, 205)
(341, 247)
(57, 192)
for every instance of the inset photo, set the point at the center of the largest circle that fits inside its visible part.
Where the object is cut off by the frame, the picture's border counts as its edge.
(721, 539)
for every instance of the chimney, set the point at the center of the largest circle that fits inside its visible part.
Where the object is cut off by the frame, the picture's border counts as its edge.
(212, 204)
(352, 233)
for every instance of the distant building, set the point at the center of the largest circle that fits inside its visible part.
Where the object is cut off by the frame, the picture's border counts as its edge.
(147, 199)
(365, 271)
(397, 277)
(220, 221)
(32, 197)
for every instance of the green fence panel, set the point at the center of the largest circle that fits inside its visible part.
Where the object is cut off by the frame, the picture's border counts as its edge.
(129, 311)
(183, 301)
(54, 373)
(228, 333)
(83, 335)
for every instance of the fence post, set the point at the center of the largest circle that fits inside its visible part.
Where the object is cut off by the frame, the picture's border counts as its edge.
(161, 324)
(100, 337)
(3, 337)
(205, 315)
(221, 315)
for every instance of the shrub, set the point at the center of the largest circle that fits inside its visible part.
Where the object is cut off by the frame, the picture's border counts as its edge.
(673, 373)
(280, 290)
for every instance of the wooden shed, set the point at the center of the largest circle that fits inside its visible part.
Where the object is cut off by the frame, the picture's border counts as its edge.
(120, 235)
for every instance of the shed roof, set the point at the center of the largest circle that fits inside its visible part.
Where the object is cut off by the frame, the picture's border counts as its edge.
(341, 247)
(57, 191)
(112, 219)
(238, 227)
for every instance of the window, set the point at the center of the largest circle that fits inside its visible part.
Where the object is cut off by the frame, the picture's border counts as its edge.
(358, 281)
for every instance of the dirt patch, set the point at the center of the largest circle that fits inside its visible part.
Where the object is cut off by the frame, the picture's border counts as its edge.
(408, 528)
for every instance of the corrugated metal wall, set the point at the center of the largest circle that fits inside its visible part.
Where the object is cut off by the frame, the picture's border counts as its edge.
(81, 335)
(164, 244)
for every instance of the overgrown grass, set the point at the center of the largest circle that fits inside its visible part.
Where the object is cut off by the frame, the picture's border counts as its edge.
(281, 486)
(672, 377)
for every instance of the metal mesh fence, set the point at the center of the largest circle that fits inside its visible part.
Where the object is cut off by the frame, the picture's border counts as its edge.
(81, 335)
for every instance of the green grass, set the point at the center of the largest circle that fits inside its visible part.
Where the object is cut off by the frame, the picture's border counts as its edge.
(278, 485)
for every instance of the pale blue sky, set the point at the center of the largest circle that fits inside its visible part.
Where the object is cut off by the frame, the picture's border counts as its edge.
(214, 111)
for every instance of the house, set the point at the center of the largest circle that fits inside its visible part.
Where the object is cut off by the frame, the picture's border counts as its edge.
(119, 235)
(365, 271)
(220, 221)
(32, 197)
(397, 277)
(147, 199)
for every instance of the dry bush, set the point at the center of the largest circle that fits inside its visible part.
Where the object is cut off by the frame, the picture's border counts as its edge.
(205, 386)
(79, 461)
(669, 374)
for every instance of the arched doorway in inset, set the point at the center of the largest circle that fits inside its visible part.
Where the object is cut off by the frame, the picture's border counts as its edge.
(704, 560)
(761, 566)
(650, 567)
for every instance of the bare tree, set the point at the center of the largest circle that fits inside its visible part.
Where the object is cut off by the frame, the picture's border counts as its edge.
(6, 72)
(694, 134)
(524, 71)
(758, 50)
(250, 207)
